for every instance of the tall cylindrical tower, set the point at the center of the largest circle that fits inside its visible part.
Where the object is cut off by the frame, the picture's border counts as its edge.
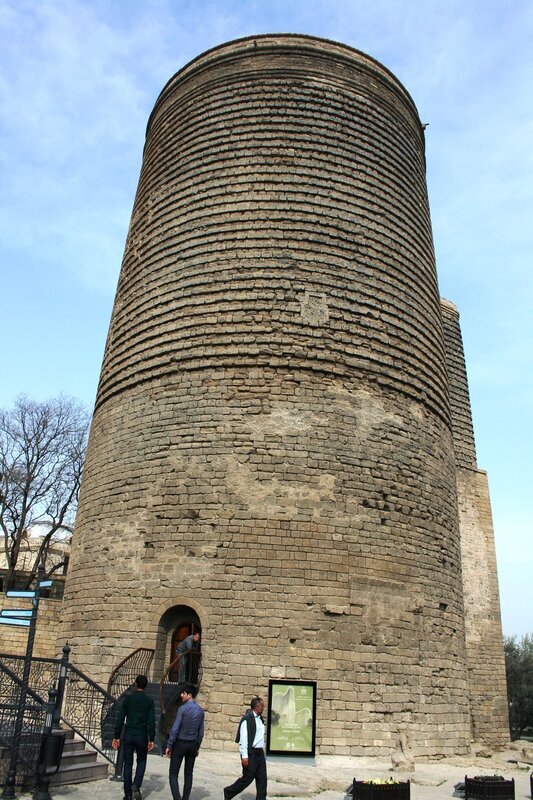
(271, 451)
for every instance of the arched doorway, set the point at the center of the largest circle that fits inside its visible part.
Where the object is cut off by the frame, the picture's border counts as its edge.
(178, 635)
(175, 625)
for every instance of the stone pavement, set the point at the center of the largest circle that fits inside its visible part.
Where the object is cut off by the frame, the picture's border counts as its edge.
(325, 777)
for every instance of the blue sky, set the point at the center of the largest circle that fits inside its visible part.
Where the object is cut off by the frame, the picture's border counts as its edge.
(78, 80)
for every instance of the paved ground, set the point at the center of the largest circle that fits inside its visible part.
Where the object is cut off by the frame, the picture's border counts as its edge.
(325, 777)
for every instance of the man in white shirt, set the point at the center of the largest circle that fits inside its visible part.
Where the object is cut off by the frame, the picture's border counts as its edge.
(251, 738)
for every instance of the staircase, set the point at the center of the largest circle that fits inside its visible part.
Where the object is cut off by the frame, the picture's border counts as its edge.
(87, 755)
(162, 724)
(79, 763)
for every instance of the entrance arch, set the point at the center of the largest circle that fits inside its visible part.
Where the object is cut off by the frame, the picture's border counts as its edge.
(175, 624)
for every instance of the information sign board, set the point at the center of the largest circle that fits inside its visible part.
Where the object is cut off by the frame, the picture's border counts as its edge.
(291, 725)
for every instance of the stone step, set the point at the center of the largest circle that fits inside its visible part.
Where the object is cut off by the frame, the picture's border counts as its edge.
(81, 756)
(79, 763)
(78, 773)
(73, 745)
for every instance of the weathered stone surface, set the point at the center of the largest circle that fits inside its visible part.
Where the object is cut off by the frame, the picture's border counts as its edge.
(272, 443)
(483, 632)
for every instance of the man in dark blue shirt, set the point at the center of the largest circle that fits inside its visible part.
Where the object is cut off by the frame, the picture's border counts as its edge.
(184, 741)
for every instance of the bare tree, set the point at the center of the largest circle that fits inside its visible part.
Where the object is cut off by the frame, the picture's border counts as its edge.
(42, 450)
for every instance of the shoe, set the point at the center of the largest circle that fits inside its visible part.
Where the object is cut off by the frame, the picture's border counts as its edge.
(226, 795)
(137, 793)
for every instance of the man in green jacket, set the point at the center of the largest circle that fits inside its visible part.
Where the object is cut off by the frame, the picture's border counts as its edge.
(138, 711)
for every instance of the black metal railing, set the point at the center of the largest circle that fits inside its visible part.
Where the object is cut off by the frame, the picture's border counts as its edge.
(44, 672)
(10, 688)
(91, 712)
(124, 674)
(30, 740)
(32, 727)
(88, 710)
(83, 706)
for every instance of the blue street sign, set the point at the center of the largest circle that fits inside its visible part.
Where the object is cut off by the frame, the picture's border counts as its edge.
(13, 593)
(23, 623)
(44, 584)
(15, 612)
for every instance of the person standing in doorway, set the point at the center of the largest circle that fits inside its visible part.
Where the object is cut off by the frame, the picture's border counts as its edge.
(137, 710)
(191, 644)
(251, 738)
(184, 742)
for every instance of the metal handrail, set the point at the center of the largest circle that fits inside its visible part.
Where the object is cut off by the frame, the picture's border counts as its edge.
(136, 663)
(193, 675)
(25, 760)
(40, 678)
(102, 703)
(172, 667)
(34, 716)
(105, 705)
(15, 678)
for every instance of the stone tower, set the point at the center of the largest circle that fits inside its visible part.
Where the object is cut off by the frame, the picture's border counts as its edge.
(485, 659)
(272, 452)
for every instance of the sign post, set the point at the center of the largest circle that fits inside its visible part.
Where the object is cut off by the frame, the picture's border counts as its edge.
(25, 619)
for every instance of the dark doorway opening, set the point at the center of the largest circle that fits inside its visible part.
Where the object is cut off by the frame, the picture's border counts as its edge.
(180, 633)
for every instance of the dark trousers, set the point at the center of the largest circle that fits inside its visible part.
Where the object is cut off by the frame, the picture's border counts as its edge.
(182, 749)
(139, 746)
(257, 770)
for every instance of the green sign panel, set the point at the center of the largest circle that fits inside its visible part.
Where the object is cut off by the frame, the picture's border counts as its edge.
(291, 718)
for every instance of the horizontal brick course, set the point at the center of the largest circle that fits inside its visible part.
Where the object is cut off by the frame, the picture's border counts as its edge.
(272, 441)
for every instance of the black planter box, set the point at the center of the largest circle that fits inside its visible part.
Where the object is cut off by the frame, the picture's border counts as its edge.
(487, 790)
(381, 791)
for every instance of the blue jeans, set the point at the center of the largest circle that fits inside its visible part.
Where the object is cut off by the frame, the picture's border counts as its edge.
(139, 746)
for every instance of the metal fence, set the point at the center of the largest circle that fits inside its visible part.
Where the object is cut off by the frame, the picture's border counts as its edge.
(84, 706)
(91, 712)
(44, 672)
(87, 709)
(30, 741)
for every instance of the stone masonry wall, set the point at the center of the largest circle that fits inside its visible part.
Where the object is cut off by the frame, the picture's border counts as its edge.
(271, 443)
(462, 426)
(484, 642)
(298, 516)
